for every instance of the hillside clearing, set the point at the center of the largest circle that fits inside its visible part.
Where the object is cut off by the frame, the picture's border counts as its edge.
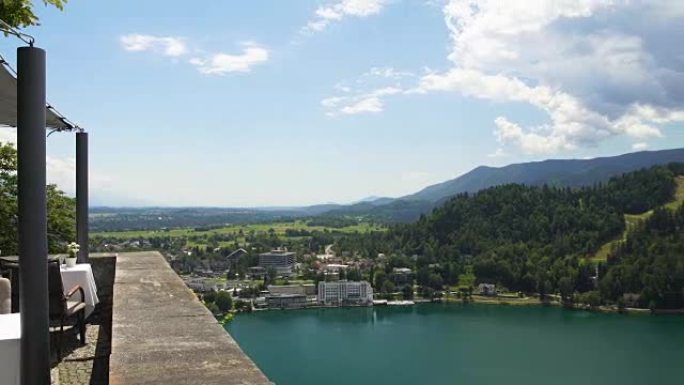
(632, 220)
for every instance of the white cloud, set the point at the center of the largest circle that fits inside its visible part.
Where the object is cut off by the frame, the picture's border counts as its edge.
(166, 45)
(498, 153)
(368, 102)
(367, 92)
(216, 63)
(62, 172)
(221, 63)
(8, 135)
(572, 123)
(639, 146)
(594, 72)
(341, 9)
(388, 72)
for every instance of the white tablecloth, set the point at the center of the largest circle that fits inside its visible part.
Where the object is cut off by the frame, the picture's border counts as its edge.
(10, 337)
(82, 275)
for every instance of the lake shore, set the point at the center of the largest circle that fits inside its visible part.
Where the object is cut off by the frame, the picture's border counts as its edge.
(534, 301)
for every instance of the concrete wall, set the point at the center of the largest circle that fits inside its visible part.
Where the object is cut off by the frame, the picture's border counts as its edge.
(162, 334)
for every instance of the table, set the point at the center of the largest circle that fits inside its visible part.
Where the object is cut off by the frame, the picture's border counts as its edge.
(10, 341)
(81, 275)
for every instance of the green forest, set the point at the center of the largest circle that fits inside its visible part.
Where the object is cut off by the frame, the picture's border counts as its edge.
(650, 262)
(538, 240)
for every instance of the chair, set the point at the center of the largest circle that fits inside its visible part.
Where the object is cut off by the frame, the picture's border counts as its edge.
(5, 296)
(63, 307)
(9, 268)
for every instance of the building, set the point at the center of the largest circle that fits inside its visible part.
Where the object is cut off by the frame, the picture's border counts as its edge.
(285, 301)
(308, 289)
(402, 276)
(203, 284)
(336, 267)
(236, 255)
(345, 293)
(282, 261)
(488, 289)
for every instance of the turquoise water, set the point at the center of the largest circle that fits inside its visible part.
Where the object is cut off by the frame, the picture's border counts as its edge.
(454, 344)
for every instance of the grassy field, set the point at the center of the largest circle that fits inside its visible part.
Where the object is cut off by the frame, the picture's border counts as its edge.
(278, 227)
(632, 220)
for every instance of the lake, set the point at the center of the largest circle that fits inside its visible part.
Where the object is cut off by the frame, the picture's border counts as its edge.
(456, 344)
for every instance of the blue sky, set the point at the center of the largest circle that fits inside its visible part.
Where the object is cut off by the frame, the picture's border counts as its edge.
(260, 103)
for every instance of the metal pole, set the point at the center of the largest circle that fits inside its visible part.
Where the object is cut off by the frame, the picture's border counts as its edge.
(32, 200)
(82, 195)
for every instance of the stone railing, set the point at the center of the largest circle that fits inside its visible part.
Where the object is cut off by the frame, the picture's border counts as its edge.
(162, 334)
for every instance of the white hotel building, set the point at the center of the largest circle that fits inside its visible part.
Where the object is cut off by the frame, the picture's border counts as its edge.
(345, 293)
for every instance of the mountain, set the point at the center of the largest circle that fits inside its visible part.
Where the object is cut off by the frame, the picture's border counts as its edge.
(556, 172)
(374, 200)
(536, 239)
(553, 172)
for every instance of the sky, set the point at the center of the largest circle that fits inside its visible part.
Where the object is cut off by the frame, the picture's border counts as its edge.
(274, 103)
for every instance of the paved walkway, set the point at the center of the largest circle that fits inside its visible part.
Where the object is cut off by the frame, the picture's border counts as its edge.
(83, 365)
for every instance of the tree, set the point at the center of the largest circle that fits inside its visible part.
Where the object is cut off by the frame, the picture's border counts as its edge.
(435, 281)
(566, 288)
(61, 209)
(19, 13)
(8, 199)
(212, 308)
(224, 301)
(209, 296)
(388, 287)
(241, 305)
(380, 278)
(354, 275)
(407, 292)
(271, 275)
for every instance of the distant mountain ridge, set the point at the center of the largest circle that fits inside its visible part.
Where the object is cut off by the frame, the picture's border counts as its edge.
(555, 172)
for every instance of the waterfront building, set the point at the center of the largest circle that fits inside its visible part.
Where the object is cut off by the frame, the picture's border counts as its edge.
(488, 289)
(281, 260)
(345, 293)
(285, 301)
(402, 276)
(308, 289)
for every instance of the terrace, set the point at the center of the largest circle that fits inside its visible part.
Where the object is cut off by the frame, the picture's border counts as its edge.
(148, 327)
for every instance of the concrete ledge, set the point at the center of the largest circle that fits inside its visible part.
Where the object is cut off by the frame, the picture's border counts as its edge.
(162, 334)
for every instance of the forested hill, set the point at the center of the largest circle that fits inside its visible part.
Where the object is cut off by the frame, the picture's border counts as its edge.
(650, 262)
(527, 238)
(555, 172)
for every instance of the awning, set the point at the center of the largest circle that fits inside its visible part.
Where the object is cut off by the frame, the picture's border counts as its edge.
(8, 103)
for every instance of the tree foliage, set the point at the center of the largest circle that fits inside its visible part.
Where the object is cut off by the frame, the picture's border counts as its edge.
(61, 209)
(650, 263)
(224, 301)
(20, 13)
(536, 239)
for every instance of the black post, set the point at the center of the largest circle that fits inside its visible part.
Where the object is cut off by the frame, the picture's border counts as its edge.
(32, 200)
(82, 195)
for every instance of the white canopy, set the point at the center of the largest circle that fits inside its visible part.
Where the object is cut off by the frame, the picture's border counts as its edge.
(8, 103)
